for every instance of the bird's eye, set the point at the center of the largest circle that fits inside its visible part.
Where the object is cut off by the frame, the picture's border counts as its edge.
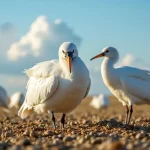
(107, 51)
(73, 51)
(63, 51)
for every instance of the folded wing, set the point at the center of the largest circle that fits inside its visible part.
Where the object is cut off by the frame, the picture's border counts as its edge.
(42, 85)
(137, 82)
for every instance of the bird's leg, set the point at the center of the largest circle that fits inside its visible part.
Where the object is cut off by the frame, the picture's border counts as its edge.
(53, 119)
(63, 120)
(127, 113)
(131, 111)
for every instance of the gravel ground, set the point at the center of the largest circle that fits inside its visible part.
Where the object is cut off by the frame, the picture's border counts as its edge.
(85, 129)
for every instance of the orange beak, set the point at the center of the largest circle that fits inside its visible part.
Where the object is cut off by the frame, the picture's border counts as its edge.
(69, 63)
(97, 56)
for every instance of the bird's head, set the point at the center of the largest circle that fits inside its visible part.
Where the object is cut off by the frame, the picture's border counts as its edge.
(68, 51)
(109, 52)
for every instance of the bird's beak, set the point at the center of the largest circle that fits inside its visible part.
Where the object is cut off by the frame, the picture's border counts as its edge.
(99, 55)
(69, 63)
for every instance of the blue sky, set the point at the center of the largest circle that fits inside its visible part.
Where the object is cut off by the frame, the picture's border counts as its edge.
(123, 24)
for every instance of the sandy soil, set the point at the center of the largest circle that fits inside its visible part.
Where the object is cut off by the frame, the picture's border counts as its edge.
(86, 128)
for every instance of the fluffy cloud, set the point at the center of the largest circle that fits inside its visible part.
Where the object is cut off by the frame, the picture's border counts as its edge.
(43, 40)
(127, 60)
(130, 60)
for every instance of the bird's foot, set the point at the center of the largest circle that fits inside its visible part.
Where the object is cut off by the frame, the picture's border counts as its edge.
(63, 121)
(53, 125)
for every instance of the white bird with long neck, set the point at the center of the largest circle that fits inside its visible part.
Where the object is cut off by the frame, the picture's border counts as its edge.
(56, 86)
(130, 85)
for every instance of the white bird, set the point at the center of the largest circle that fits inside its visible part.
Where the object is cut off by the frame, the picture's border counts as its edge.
(56, 86)
(100, 101)
(3, 98)
(16, 100)
(130, 85)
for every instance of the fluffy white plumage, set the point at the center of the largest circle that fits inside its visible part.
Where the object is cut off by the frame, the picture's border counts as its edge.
(16, 100)
(56, 85)
(130, 85)
(3, 98)
(100, 101)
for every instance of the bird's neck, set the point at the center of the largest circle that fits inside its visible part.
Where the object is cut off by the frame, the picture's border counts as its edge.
(108, 70)
(77, 68)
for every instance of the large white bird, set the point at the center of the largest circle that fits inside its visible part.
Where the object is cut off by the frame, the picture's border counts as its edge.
(100, 101)
(56, 86)
(130, 85)
(16, 100)
(3, 98)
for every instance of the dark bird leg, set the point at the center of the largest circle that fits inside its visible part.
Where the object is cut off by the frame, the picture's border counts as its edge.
(131, 111)
(53, 119)
(127, 113)
(63, 120)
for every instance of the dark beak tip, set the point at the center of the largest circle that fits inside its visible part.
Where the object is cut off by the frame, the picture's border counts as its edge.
(91, 59)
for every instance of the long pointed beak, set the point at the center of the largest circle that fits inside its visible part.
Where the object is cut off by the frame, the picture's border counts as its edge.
(97, 56)
(69, 63)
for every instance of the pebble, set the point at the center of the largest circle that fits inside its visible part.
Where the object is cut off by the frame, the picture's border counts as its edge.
(24, 142)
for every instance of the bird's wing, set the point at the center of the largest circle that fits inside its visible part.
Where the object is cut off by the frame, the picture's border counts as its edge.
(44, 69)
(136, 82)
(43, 82)
(88, 88)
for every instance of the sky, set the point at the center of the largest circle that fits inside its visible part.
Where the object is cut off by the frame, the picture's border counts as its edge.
(32, 31)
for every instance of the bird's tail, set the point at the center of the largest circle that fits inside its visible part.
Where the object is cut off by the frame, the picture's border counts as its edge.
(25, 110)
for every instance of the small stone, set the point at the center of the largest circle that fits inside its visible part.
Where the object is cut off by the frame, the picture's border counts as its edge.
(48, 133)
(26, 133)
(145, 145)
(54, 137)
(15, 148)
(24, 142)
(110, 145)
(139, 136)
(96, 141)
(130, 146)
(13, 140)
(56, 141)
(3, 146)
(33, 134)
(68, 138)
(81, 140)
(8, 134)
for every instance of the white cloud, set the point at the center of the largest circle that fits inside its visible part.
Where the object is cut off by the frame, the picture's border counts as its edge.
(42, 40)
(127, 60)
(130, 60)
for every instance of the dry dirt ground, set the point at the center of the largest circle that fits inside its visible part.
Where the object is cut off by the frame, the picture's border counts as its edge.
(85, 129)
